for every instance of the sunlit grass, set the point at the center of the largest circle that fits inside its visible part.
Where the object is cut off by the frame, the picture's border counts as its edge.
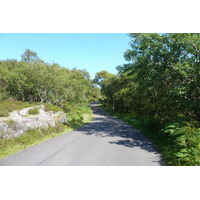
(10, 146)
(33, 137)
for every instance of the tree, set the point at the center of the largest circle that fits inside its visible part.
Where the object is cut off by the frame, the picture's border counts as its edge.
(29, 56)
(42, 82)
(100, 76)
(162, 79)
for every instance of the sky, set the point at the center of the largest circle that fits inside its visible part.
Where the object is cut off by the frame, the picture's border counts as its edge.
(91, 51)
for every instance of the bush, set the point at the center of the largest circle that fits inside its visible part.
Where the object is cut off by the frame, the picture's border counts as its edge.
(185, 138)
(151, 124)
(75, 119)
(76, 112)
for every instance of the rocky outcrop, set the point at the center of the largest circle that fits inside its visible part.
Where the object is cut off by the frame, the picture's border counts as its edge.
(20, 121)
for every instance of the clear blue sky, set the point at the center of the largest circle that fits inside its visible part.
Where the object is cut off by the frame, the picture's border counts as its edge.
(91, 51)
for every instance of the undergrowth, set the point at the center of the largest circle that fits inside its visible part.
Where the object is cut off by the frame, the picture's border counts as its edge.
(78, 114)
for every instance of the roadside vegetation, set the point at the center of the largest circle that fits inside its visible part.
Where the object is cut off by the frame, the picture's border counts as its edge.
(9, 105)
(158, 92)
(32, 82)
(9, 146)
(33, 111)
(76, 118)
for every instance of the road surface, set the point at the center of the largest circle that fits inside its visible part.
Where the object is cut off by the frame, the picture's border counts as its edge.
(106, 141)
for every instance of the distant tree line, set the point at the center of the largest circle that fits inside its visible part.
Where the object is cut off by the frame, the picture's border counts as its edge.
(33, 80)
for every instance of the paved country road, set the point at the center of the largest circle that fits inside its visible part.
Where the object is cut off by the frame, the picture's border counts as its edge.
(106, 141)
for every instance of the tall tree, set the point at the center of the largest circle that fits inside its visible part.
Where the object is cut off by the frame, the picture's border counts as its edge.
(29, 56)
(162, 79)
(100, 76)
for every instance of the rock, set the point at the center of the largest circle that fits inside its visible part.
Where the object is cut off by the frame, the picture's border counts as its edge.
(63, 119)
(3, 129)
(23, 122)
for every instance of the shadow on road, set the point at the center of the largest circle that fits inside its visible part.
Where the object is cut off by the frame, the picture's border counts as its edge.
(105, 125)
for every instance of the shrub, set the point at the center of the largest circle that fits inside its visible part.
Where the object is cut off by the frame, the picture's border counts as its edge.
(76, 119)
(185, 138)
(151, 124)
(75, 112)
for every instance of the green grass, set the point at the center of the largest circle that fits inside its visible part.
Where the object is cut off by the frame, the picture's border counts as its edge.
(34, 111)
(11, 123)
(7, 106)
(4, 113)
(50, 107)
(10, 146)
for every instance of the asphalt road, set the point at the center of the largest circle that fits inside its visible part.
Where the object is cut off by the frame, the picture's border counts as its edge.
(106, 141)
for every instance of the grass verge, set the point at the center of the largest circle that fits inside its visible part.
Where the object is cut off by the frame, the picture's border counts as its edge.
(35, 136)
(11, 146)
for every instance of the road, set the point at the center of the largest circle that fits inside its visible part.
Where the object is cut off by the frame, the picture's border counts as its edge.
(106, 141)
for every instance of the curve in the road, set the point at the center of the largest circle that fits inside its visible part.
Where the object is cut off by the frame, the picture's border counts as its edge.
(106, 141)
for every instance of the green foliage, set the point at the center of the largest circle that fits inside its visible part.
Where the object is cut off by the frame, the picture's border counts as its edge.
(186, 142)
(9, 105)
(161, 83)
(32, 82)
(50, 107)
(101, 76)
(162, 79)
(36, 81)
(34, 111)
(76, 113)
(11, 123)
(29, 56)
(4, 113)
(12, 145)
(150, 123)
(95, 94)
